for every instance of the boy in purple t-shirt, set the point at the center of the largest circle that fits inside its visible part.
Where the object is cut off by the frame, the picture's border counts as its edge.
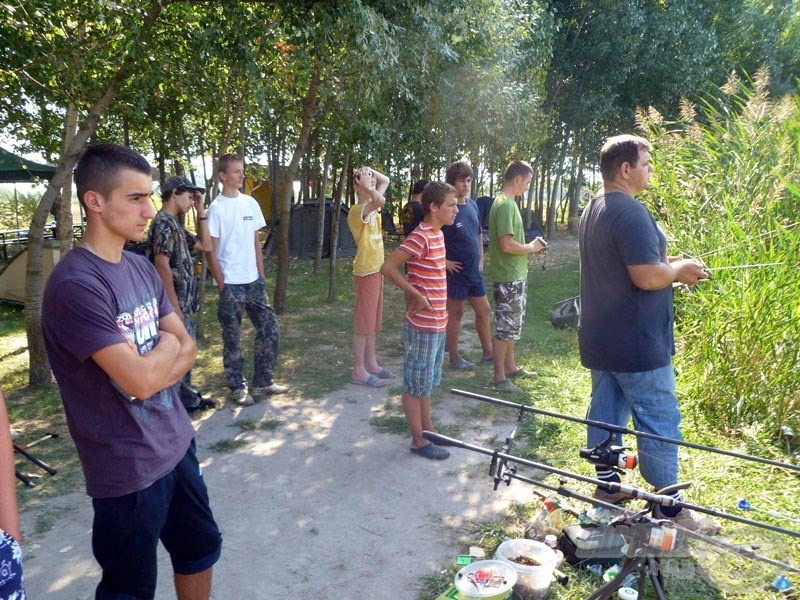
(423, 253)
(117, 349)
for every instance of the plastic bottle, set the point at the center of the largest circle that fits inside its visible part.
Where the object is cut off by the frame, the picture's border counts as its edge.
(550, 519)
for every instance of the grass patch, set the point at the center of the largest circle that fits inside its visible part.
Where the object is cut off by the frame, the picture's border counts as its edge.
(228, 445)
(563, 386)
(258, 425)
(390, 424)
(315, 358)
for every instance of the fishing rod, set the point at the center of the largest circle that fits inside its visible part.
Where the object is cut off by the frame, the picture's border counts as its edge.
(655, 499)
(502, 473)
(755, 266)
(523, 408)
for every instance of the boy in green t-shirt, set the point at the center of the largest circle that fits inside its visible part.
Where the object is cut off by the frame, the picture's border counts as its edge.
(508, 269)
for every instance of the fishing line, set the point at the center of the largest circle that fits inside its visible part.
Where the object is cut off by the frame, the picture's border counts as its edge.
(617, 429)
(738, 244)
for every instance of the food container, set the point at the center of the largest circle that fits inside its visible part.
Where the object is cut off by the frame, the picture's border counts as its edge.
(486, 580)
(533, 580)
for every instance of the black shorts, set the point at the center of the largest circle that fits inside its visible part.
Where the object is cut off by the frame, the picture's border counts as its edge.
(126, 531)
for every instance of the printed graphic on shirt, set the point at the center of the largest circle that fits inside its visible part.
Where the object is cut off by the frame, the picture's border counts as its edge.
(140, 329)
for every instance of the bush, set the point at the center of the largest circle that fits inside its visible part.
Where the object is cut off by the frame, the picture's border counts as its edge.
(726, 190)
(26, 203)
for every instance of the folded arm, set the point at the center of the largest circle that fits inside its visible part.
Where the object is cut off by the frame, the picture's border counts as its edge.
(142, 376)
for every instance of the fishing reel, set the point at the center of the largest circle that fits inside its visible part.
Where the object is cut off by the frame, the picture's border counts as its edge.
(608, 455)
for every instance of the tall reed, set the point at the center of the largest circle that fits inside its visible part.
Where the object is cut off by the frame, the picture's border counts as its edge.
(727, 191)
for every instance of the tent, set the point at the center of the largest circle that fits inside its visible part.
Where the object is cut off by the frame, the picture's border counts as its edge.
(303, 232)
(14, 168)
(14, 274)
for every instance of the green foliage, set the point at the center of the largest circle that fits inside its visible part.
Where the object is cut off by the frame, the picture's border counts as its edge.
(16, 209)
(727, 190)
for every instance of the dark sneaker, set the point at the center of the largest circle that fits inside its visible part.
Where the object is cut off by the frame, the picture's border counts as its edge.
(610, 497)
(688, 519)
(432, 451)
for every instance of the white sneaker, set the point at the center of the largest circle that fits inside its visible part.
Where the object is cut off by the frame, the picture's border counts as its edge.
(241, 397)
(271, 390)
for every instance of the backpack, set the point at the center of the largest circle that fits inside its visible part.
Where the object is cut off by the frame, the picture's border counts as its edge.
(566, 313)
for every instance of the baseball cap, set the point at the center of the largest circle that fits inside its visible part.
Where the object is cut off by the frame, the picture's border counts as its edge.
(179, 183)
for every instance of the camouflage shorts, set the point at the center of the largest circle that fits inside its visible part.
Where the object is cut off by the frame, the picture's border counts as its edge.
(510, 298)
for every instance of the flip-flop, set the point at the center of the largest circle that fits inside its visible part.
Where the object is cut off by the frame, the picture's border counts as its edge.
(385, 374)
(372, 381)
(521, 373)
(431, 451)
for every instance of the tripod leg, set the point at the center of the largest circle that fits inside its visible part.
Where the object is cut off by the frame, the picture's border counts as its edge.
(24, 478)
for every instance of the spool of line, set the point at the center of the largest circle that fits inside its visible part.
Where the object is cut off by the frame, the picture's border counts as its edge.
(626, 593)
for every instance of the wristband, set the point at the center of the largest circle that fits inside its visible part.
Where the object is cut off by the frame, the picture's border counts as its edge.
(202, 218)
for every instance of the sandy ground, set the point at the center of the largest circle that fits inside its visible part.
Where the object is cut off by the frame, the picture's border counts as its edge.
(323, 506)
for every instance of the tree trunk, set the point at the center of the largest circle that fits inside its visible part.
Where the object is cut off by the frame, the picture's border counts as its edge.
(64, 225)
(551, 206)
(39, 369)
(335, 224)
(573, 217)
(309, 112)
(321, 216)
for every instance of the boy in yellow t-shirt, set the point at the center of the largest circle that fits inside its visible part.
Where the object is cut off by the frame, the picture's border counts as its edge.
(364, 221)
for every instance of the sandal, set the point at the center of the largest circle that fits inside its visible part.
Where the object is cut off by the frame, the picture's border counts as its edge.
(462, 364)
(372, 381)
(385, 374)
(521, 373)
(431, 451)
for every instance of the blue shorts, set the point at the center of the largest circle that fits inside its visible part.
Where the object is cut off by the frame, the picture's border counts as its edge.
(126, 530)
(11, 584)
(422, 360)
(460, 290)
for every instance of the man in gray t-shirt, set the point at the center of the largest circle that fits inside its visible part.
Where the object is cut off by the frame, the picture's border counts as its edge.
(625, 330)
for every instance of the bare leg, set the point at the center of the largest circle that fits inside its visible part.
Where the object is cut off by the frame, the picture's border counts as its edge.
(500, 348)
(511, 363)
(359, 349)
(193, 587)
(455, 312)
(480, 304)
(412, 407)
(370, 355)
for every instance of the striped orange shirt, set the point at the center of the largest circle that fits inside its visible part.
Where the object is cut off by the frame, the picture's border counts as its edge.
(427, 272)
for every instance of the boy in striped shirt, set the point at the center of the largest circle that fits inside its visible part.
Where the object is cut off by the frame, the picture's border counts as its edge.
(423, 253)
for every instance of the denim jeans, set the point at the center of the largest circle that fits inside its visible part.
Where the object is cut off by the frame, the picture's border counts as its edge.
(648, 397)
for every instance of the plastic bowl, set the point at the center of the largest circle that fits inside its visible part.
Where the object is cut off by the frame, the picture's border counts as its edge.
(486, 580)
(533, 582)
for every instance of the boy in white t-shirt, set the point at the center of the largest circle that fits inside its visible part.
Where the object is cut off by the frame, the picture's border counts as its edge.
(237, 265)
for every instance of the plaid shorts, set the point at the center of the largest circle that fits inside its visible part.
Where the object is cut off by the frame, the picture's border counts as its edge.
(422, 360)
(510, 298)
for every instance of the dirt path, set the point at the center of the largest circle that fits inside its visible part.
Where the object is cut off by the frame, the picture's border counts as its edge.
(324, 505)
